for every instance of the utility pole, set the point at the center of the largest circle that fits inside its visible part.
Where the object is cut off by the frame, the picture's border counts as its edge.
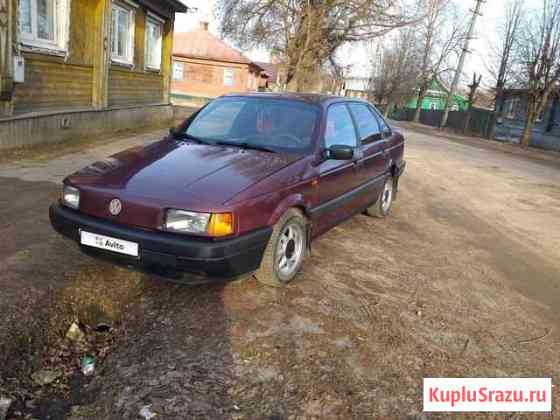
(461, 63)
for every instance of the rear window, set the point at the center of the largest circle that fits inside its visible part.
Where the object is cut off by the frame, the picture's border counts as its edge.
(285, 126)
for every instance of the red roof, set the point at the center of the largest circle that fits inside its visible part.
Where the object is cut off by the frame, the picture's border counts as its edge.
(203, 45)
(270, 69)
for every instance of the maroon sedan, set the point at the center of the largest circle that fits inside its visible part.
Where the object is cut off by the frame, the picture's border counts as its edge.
(244, 185)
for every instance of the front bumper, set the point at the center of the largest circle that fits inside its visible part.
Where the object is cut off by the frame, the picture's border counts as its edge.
(212, 258)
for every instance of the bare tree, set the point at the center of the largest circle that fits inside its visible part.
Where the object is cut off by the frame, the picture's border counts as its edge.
(307, 33)
(538, 57)
(502, 71)
(395, 79)
(441, 35)
(473, 87)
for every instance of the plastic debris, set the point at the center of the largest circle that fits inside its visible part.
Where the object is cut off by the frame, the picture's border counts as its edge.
(45, 377)
(75, 333)
(147, 413)
(5, 404)
(88, 365)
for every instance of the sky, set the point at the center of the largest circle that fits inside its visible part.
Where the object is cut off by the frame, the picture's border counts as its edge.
(357, 55)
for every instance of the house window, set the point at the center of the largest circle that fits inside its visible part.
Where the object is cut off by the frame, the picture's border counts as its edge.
(178, 71)
(511, 107)
(154, 31)
(229, 77)
(122, 42)
(44, 23)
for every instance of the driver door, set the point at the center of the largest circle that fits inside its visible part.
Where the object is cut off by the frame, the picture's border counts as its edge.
(337, 179)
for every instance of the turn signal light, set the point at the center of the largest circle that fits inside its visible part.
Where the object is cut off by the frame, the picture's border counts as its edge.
(221, 224)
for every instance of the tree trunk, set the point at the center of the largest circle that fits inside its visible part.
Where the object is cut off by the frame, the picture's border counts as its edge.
(387, 109)
(421, 95)
(498, 111)
(529, 123)
(468, 118)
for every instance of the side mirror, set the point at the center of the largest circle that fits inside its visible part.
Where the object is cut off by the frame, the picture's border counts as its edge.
(172, 131)
(340, 152)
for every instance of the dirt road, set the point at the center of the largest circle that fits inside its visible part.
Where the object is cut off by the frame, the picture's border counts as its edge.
(462, 280)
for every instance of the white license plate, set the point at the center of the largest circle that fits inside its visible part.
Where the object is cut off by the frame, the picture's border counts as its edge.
(109, 244)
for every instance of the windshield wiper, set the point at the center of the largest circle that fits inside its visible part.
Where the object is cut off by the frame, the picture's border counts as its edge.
(185, 136)
(245, 146)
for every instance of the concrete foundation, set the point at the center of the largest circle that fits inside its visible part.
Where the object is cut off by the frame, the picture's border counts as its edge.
(65, 125)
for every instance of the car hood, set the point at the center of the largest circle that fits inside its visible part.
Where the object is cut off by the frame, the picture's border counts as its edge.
(173, 171)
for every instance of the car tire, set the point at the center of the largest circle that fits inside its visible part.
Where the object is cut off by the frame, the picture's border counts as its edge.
(286, 250)
(382, 206)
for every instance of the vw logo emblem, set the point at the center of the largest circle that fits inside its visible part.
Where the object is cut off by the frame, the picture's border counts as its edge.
(115, 207)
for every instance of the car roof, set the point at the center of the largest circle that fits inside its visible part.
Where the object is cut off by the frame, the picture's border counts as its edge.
(313, 98)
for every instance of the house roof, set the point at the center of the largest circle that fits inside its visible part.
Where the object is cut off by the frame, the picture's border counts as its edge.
(519, 91)
(165, 8)
(203, 45)
(178, 5)
(270, 69)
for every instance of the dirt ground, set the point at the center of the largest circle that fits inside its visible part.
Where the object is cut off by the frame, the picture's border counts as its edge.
(463, 280)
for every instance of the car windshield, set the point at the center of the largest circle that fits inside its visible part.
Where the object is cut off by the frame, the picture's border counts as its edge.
(275, 125)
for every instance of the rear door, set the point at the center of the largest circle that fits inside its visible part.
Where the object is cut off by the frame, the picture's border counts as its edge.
(373, 162)
(337, 179)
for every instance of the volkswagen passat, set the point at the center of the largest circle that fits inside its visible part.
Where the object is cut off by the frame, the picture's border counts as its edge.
(243, 185)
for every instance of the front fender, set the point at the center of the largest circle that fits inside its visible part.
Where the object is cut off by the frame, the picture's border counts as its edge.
(292, 201)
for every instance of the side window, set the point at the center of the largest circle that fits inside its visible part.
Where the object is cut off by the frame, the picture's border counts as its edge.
(368, 127)
(178, 71)
(43, 23)
(122, 42)
(154, 34)
(340, 128)
(229, 77)
(385, 129)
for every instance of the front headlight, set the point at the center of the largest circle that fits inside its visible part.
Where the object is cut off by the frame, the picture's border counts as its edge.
(71, 197)
(215, 225)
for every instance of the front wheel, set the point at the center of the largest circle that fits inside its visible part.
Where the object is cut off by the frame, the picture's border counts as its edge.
(383, 205)
(286, 250)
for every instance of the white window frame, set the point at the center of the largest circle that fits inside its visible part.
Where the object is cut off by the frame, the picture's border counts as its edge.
(61, 24)
(128, 7)
(229, 73)
(512, 105)
(152, 19)
(176, 65)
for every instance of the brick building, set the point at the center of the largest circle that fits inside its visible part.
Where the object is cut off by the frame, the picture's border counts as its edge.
(205, 67)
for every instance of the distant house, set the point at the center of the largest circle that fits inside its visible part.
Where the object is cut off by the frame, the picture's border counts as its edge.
(357, 87)
(205, 67)
(511, 122)
(436, 98)
(270, 77)
(74, 68)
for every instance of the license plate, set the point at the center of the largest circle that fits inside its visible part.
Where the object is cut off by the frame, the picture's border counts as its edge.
(109, 244)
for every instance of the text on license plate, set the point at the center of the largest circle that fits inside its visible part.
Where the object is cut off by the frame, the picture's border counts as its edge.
(109, 244)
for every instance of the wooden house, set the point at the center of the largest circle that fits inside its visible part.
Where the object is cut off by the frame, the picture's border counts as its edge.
(436, 98)
(512, 115)
(73, 68)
